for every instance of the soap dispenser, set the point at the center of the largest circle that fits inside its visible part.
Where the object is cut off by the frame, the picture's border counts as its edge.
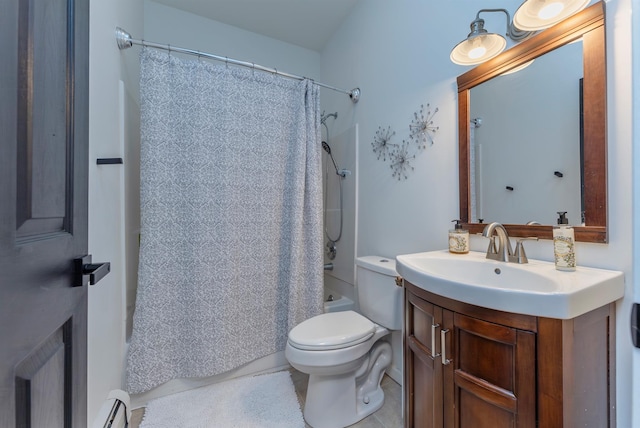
(458, 239)
(564, 244)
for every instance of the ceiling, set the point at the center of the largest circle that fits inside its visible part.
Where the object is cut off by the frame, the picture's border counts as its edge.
(306, 23)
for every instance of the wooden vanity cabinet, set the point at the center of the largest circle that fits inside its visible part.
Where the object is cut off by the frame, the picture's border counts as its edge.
(472, 367)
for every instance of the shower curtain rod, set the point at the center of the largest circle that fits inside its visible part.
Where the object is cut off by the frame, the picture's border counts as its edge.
(125, 41)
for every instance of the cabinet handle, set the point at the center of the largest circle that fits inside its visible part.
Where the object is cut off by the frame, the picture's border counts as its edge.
(443, 344)
(434, 354)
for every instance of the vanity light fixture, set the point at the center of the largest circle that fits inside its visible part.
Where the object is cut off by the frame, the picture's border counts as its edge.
(534, 15)
(480, 45)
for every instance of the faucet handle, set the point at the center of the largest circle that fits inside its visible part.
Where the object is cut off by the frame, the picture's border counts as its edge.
(519, 256)
(492, 249)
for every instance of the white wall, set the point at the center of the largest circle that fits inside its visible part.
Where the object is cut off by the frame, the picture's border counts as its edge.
(398, 54)
(113, 113)
(391, 51)
(166, 25)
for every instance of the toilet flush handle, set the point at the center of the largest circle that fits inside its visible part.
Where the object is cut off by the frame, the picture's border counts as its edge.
(399, 281)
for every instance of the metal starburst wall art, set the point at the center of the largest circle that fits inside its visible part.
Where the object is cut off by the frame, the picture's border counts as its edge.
(421, 128)
(401, 156)
(382, 142)
(401, 160)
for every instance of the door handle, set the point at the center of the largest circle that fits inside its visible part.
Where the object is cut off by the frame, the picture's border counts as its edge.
(443, 344)
(89, 273)
(434, 354)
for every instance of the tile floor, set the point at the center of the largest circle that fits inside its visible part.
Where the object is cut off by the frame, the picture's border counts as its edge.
(389, 416)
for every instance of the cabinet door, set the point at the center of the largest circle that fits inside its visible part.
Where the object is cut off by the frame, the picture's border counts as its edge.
(423, 369)
(493, 373)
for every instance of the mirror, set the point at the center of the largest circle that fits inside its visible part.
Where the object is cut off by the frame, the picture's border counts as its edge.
(542, 103)
(522, 160)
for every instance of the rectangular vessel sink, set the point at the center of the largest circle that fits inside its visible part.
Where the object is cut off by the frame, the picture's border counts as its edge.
(535, 288)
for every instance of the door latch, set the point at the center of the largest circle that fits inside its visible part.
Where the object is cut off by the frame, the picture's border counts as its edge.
(89, 273)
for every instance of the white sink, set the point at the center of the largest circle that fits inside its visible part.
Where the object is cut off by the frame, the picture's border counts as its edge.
(535, 288)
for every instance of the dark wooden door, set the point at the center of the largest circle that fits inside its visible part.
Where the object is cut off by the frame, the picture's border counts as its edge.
(494, 375)
(423, 368)
(43, 212)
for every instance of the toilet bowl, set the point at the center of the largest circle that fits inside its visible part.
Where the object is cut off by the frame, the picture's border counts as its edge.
(345, 353)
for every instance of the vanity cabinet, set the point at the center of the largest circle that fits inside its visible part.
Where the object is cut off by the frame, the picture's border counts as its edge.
(467, 366)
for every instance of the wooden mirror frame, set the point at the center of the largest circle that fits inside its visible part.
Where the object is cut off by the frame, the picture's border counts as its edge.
(588, 24)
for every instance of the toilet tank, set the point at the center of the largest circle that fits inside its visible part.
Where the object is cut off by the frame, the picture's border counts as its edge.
(379, 297)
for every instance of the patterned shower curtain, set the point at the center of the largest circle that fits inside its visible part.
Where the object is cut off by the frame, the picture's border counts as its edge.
(231, 211)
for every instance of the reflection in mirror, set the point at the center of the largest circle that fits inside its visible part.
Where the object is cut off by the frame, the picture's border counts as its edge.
(525, 148)
(527, 167)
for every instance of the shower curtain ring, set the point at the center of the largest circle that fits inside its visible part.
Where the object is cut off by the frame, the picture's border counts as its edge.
(226, 61)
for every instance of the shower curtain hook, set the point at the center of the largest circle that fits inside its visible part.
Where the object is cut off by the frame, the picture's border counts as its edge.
(226, 61)
(169, 50)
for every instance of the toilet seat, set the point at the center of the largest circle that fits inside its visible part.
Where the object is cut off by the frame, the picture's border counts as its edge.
(334, 330)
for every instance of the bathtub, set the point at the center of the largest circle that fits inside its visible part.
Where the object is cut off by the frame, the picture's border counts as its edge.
(333, 302)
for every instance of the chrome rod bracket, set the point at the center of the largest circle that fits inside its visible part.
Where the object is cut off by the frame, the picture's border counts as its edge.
(354, 94)
(123, 39)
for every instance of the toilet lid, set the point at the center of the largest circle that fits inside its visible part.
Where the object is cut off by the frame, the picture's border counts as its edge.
(332, 330)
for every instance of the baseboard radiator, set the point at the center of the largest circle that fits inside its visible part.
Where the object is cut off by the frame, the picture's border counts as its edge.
(115, 412)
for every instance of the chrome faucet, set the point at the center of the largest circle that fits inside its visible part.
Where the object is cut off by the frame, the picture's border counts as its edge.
(503, 253)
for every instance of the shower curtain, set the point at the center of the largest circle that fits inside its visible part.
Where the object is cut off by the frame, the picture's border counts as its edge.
(231, 214)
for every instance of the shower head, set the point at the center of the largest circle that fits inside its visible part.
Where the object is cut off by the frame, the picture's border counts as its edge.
(326, 147)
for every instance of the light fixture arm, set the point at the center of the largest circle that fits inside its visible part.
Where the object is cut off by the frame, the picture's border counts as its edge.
(513, 32)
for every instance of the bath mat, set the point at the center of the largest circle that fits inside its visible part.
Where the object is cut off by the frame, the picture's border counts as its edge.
(264, 401)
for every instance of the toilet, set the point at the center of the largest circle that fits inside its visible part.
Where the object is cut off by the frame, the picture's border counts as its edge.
(346, 353)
